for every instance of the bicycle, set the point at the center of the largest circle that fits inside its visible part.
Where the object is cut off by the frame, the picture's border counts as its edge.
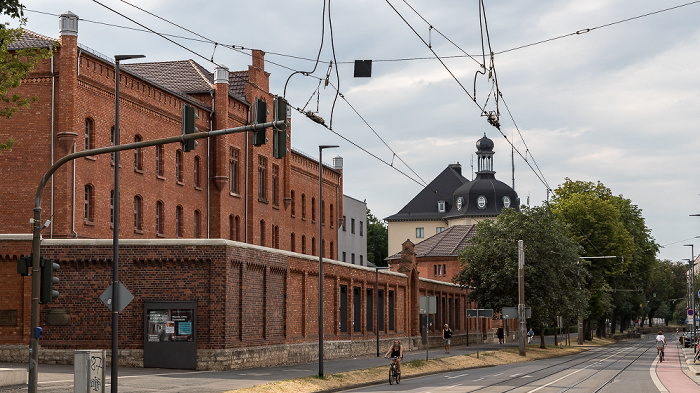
(661, 353)
(394, 375)
(697, 355)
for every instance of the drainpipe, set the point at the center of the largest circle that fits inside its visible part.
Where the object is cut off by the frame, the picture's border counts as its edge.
(53, 109)
(75, 234)
(247, 147)
(211, 127)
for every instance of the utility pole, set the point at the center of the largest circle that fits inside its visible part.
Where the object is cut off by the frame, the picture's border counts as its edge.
(521, 298)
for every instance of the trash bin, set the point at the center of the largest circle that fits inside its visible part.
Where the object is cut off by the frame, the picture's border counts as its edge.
(89, 371)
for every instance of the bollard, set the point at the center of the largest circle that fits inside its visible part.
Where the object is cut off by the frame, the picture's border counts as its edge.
(89, 371)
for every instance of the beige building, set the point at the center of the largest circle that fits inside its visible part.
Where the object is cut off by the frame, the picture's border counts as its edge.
(451, 199)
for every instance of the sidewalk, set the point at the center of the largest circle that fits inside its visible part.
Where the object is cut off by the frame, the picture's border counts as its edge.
(59, 377)
(675, 373)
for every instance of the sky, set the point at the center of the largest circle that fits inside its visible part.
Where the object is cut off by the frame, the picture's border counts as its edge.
(601, 90)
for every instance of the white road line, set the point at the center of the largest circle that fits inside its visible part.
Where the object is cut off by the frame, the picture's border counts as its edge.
(495, 375)
(479, 379)
(655, 378)
(457, 376)
(453, 386)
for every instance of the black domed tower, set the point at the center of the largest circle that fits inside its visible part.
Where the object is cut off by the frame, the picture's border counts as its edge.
(484, 197)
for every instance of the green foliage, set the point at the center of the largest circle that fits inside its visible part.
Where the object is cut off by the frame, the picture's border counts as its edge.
(554, 281)
(377, 240)
(608, 225)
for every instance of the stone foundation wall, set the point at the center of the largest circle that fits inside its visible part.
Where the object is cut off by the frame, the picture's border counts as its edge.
(250, 357)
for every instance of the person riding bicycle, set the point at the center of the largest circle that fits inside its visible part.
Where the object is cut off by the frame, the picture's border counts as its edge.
(396, 351)
(660, 344)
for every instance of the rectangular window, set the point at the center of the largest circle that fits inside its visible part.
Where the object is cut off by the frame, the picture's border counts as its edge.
(361, 260)
(344, 257)
(352, 258)
(275, 185)
(344, 308)
(439, 229)
(380, 310)
(352, 225)
(262, 178)
(391, 310)
(420, 233)
(370, 311)
(357, 309)
(344, 221)
(361, 230)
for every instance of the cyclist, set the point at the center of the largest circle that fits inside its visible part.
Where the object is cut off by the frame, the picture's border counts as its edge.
(660, 344)
(396, 351)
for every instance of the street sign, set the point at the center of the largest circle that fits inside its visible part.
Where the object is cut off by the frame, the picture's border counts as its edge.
(125, 297)
(698, 293)
(690, 312)
(427, 304)
(482, 312)
(512, 312)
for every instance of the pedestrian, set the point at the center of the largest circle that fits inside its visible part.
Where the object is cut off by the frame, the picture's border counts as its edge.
(500, 335)
(446, 335)
(530, 335)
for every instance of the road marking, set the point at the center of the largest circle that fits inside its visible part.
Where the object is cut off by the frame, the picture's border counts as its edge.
(457, 376)
(478, 379)
(515, 375)
(495, 375)
(572, 373)
(453, 386)
(655, 378)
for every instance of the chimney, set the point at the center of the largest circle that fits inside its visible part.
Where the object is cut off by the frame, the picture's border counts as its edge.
(68, 24)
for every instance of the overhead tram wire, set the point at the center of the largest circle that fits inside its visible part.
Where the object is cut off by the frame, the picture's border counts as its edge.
(424, 184)
(578, 32)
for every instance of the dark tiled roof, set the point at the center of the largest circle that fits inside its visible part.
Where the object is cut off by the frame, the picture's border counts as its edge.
(30, 39)
(424, 206)
(185, 76)
(446, 243)
(236, 83)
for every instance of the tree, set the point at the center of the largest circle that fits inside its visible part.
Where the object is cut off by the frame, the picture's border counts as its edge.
(553, 278)
(608, 225)
(377, 240)
(15, 65)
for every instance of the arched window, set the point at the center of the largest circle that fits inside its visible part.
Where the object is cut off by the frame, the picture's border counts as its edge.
(332, 217)
(160, 160)
(89, 203)
(179, 221)
(138, 213)
(138, 155)
(178, 166)
(303, 207)
(293, 243)
(303, 244)
(197, 180)
(89, 134)
(330, 251)
(313, 209)
(293, 203)
(313, 246)
(160, 218)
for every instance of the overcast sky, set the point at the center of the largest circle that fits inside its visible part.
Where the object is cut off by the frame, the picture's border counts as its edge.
(619, 103)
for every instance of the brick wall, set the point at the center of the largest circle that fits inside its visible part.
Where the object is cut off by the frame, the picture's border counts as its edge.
(248, 298)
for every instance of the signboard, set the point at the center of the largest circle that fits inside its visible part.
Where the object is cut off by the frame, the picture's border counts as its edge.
(480, 313)
(690, 312)
(512, 312)
(125, 297)
(427, 304)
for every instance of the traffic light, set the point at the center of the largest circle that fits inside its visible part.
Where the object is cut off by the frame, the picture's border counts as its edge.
(48, 279)
(279, 133)
(259, 117)
(188, 118)
(24, 265)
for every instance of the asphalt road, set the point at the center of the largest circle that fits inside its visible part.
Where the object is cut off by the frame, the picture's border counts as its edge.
(621, 367)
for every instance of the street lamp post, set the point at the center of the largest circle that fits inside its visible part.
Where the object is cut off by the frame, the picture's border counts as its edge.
(115, 239)
(376, 300)
(320, 256)
(692, 284)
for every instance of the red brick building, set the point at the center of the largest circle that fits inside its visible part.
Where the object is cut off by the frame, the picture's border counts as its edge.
(225, 188)
(225, 227)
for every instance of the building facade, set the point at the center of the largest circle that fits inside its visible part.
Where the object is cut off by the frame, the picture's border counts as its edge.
(451, 199)
(352, 236)
(225, 188)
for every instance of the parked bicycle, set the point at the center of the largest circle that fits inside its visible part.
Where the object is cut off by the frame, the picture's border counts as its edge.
(394, 375)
